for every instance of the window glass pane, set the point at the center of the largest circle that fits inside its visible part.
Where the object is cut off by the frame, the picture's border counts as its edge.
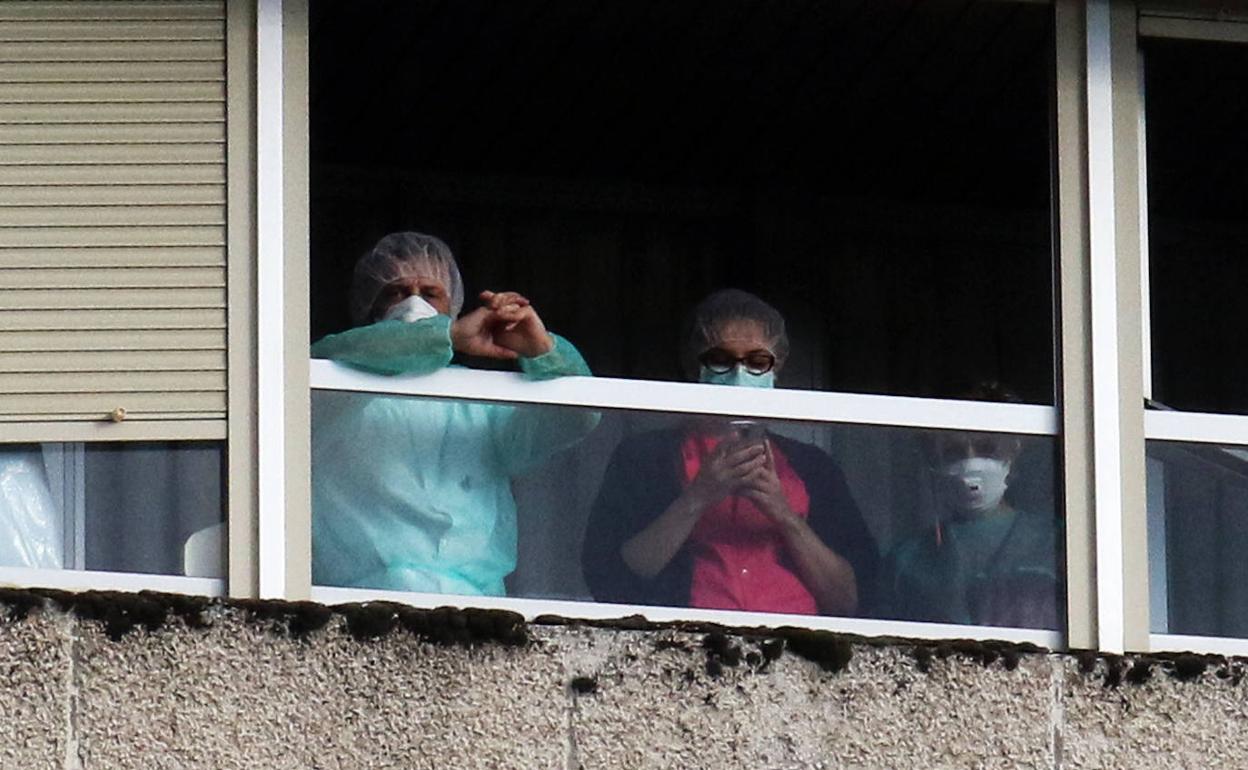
(458, 497)
(1198, 533)
(879, 171)
(121, 507)
(1198, 223)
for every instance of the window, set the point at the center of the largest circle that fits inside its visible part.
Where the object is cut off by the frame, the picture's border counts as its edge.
(575, 502)
(131, 507)
(113, 317)
(900, 182)
(1197, 235)
(1197, 228)
(879, 173)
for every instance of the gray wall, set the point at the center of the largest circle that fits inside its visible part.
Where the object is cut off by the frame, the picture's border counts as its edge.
(238, 694)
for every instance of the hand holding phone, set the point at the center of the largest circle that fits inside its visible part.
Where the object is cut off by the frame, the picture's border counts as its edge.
(751, 432)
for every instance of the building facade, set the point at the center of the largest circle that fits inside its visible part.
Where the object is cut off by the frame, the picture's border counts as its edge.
(936, 197)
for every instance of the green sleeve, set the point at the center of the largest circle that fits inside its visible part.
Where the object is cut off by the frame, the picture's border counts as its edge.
(563, 360)
(529, 435)
(392, 347)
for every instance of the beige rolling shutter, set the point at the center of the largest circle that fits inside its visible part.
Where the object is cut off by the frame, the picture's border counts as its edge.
(112, 210)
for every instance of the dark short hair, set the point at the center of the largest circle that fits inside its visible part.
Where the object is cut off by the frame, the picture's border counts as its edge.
(722, 307)
(1000, 445)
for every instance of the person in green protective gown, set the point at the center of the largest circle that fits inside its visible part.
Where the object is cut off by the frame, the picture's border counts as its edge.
(414, 494)
(985, 562)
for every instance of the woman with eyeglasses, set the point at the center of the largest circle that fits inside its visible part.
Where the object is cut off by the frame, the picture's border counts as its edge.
(721, 514)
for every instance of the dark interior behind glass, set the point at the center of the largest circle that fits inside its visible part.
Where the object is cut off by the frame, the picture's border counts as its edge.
(144, 500)
(1197, 120)
(880, 171)
(1198, 519)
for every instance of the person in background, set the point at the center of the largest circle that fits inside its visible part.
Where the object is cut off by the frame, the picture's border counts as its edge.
(722, 516)
(414, 494)
(984, 562)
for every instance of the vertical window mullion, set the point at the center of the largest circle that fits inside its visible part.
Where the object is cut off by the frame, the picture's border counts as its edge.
(295, 237)
(1129, 241)
(1117, 348)
(281, 234)
(1074, 386)
(1146, 337)
(242, 574)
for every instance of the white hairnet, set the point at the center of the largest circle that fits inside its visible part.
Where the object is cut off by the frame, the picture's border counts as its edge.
(401, 255)
(722, 307)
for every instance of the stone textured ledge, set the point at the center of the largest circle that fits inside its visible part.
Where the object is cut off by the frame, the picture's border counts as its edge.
(149, 681)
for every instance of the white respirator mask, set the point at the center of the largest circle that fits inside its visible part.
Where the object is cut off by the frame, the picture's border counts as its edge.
(410, 310)
(976, 484)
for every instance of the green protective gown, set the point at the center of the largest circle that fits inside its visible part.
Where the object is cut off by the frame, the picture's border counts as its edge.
(996, 570)
(413, 494)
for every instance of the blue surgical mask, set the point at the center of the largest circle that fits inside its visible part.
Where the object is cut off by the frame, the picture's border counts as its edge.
(738, 375)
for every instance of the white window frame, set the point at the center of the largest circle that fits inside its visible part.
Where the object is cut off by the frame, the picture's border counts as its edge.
(282, 546)
(98, 580)
(697, 398)
(1100, 239)
(590, 610)
(1098, 298)
(600, 393)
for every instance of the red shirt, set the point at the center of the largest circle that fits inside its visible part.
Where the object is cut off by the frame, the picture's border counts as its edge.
(739, 560)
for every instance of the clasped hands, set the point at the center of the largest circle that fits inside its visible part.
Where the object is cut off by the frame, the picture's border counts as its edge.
(506, 326)
(746, 471)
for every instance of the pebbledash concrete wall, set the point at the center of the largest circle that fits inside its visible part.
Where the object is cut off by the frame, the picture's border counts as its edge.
(132, 681)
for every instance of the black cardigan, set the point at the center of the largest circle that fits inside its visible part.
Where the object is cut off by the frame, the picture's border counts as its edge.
(646, 474)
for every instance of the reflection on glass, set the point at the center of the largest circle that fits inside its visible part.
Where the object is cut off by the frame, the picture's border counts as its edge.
(1198, 533)
(720, 514)
(121, 507)
(843, 520)
(30, 521)
(415, 495)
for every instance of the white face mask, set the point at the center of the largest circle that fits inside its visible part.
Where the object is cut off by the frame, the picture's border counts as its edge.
(412, 309)
(976, 484)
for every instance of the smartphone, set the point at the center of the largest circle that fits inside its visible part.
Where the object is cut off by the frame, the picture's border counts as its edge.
(751, 432)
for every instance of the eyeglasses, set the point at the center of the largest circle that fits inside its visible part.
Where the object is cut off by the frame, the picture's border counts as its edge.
(720, 361)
